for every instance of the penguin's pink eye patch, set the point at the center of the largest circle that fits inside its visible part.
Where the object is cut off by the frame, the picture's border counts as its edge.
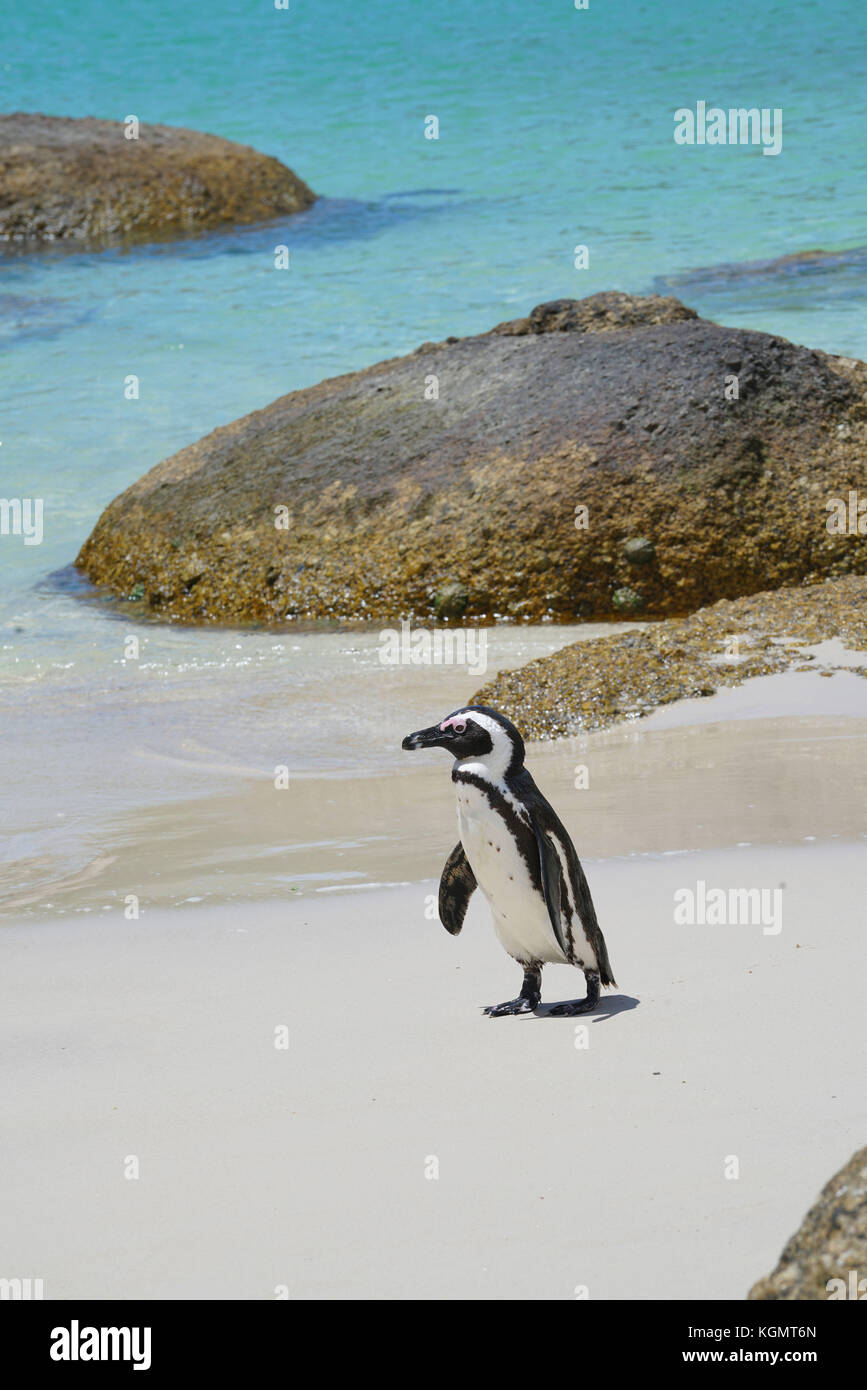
(459, 725)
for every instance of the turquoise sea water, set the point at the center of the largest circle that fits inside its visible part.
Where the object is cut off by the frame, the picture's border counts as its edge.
(555, 129)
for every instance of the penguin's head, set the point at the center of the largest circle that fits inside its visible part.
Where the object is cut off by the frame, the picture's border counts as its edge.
(474, 732)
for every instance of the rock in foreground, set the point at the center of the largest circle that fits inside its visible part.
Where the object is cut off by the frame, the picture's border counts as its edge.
(831, 1244)
(584, 461)
(64, 179)
(589, 685)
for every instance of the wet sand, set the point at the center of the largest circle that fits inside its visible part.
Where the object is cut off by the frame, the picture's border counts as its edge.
(157, 759)
(700, 774)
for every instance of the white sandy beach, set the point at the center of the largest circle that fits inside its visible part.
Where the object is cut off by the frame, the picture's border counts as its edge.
(561, 1167)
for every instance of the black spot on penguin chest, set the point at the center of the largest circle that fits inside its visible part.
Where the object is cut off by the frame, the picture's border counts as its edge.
(516, 826)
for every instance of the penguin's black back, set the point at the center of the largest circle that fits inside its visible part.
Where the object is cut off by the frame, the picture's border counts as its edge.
(544, 816)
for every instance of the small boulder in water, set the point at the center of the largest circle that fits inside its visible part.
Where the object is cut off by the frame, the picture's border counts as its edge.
(95, 182)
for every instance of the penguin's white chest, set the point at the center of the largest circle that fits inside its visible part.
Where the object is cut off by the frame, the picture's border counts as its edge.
(520, 914)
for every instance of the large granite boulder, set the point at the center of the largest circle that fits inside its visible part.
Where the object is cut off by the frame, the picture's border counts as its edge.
(610, 456)
(84, 181)
(826, 1258)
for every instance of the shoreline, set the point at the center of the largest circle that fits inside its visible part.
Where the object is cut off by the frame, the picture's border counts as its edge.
(801, 772)
(730, 756)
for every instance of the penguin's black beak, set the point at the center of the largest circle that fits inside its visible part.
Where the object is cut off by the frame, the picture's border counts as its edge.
(434, 737)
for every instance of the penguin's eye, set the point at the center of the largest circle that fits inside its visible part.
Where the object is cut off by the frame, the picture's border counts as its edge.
(459, 726)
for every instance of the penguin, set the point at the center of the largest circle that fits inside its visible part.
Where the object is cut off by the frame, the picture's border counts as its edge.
(515, 848)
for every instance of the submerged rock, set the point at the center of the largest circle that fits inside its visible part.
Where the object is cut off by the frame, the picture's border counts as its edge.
(829, 1248)
(65, 179)
(591, 684)
(794, 263)
(524, 460)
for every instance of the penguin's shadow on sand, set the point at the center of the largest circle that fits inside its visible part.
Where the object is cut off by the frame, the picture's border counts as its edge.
(605, 1009)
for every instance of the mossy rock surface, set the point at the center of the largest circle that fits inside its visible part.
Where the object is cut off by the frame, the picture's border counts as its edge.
(472, 459)
(591, 684)
(830, 1244)
(64, 179)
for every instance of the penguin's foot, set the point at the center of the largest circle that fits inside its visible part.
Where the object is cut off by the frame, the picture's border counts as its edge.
(580, 1006)
(512, 1006)
(572, 1007)
(531, 993)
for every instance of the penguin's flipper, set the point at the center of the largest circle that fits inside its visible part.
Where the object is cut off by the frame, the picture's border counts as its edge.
(457, 885)
(549, 861)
